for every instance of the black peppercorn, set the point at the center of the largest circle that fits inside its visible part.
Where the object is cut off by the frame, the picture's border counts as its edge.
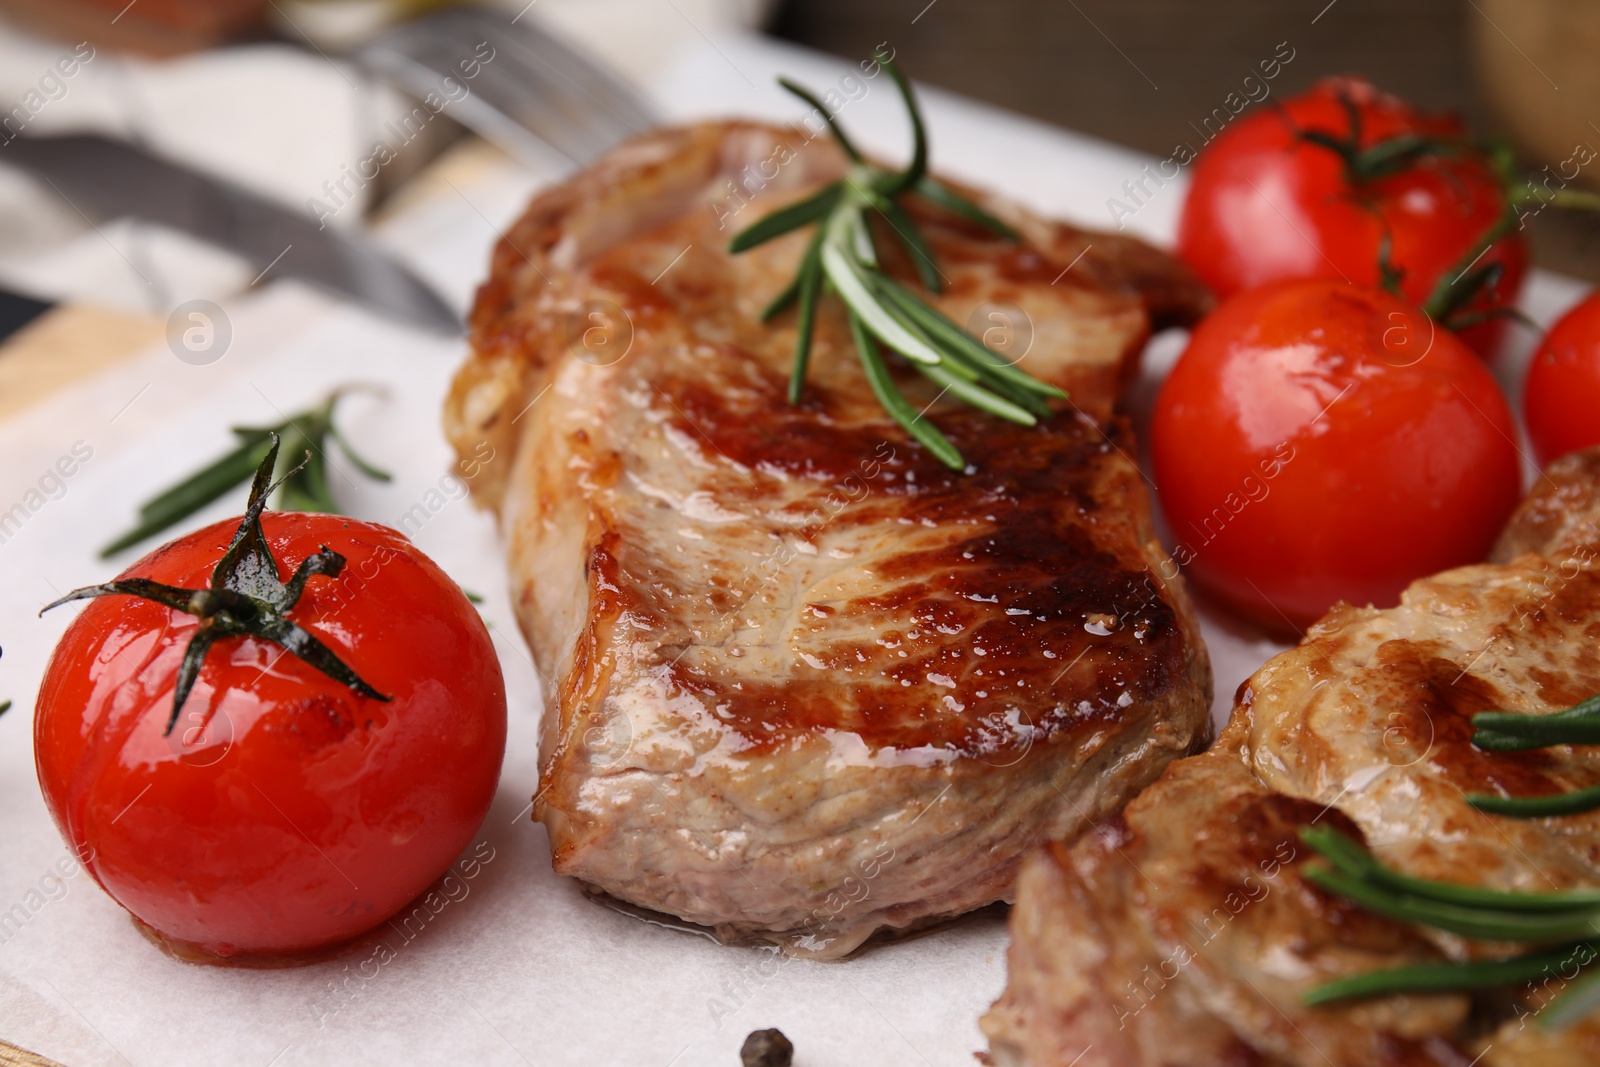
(767, 1048)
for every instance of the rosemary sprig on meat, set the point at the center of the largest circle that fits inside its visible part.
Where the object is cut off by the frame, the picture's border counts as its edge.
(1504, 731)
(1566, 923)
(842, 258)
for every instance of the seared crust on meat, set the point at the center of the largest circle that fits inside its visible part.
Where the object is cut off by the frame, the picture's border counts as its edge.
(802, 682)
(1368, 721)
(1519, 1044)
(1090, 324)
(1557, 519)
(1182, 934)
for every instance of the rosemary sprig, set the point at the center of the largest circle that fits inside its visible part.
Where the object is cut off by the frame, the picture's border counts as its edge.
(301, 487)
(842, 259)
(1568, 918)
(1575, 802)
(1504, 731)
(1351, 859)
(1449, 977)
(1487, 914)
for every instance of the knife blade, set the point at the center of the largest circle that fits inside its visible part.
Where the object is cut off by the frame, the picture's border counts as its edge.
(17, 311)
(112, 178)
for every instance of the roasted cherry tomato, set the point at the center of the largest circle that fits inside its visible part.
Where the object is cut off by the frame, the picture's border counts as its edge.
(1312, 189)
(1561, 397)
(285, 811)
(1319, 442)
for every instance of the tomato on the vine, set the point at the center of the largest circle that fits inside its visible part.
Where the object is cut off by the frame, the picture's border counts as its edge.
(283, 810)
(1343, 178)
(1319, 442)
(1561, 395)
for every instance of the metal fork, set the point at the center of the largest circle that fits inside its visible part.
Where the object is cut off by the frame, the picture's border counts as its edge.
(535, 96)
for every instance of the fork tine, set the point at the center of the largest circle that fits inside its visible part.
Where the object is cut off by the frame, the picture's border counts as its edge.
(538, 98)
(529, 92)
(614, 98)
(418, 77)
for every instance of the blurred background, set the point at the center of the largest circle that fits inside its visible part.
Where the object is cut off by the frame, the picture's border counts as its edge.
(262, 93)
(1139, 72)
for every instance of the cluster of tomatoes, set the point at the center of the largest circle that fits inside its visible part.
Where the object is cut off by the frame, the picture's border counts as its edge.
(1332, 431)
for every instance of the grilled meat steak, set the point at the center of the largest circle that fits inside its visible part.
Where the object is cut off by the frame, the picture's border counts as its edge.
(801, 681)
(1182, 932)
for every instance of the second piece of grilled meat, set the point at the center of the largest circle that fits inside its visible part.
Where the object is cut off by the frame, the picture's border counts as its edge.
(1182, 933)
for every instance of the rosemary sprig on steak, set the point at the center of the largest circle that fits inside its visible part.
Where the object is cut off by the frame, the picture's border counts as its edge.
(1504, 731)
(1567, 922)
(842, 258)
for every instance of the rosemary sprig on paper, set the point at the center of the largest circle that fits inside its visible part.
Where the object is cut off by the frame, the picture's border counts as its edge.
(302, 486)
(842, 258)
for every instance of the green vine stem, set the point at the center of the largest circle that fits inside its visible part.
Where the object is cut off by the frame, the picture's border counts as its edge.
(244, 597)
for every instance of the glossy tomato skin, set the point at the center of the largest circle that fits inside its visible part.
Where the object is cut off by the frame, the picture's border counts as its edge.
(1561, 396)
(1319, 442)
(285, 813)
(1266, 206)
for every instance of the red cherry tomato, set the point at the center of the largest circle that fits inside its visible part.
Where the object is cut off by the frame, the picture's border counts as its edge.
(1319, 442)
(1561, 397)
(285, 812)
(1267, 205)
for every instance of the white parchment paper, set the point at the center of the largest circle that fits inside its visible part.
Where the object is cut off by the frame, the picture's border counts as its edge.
(518, 968)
